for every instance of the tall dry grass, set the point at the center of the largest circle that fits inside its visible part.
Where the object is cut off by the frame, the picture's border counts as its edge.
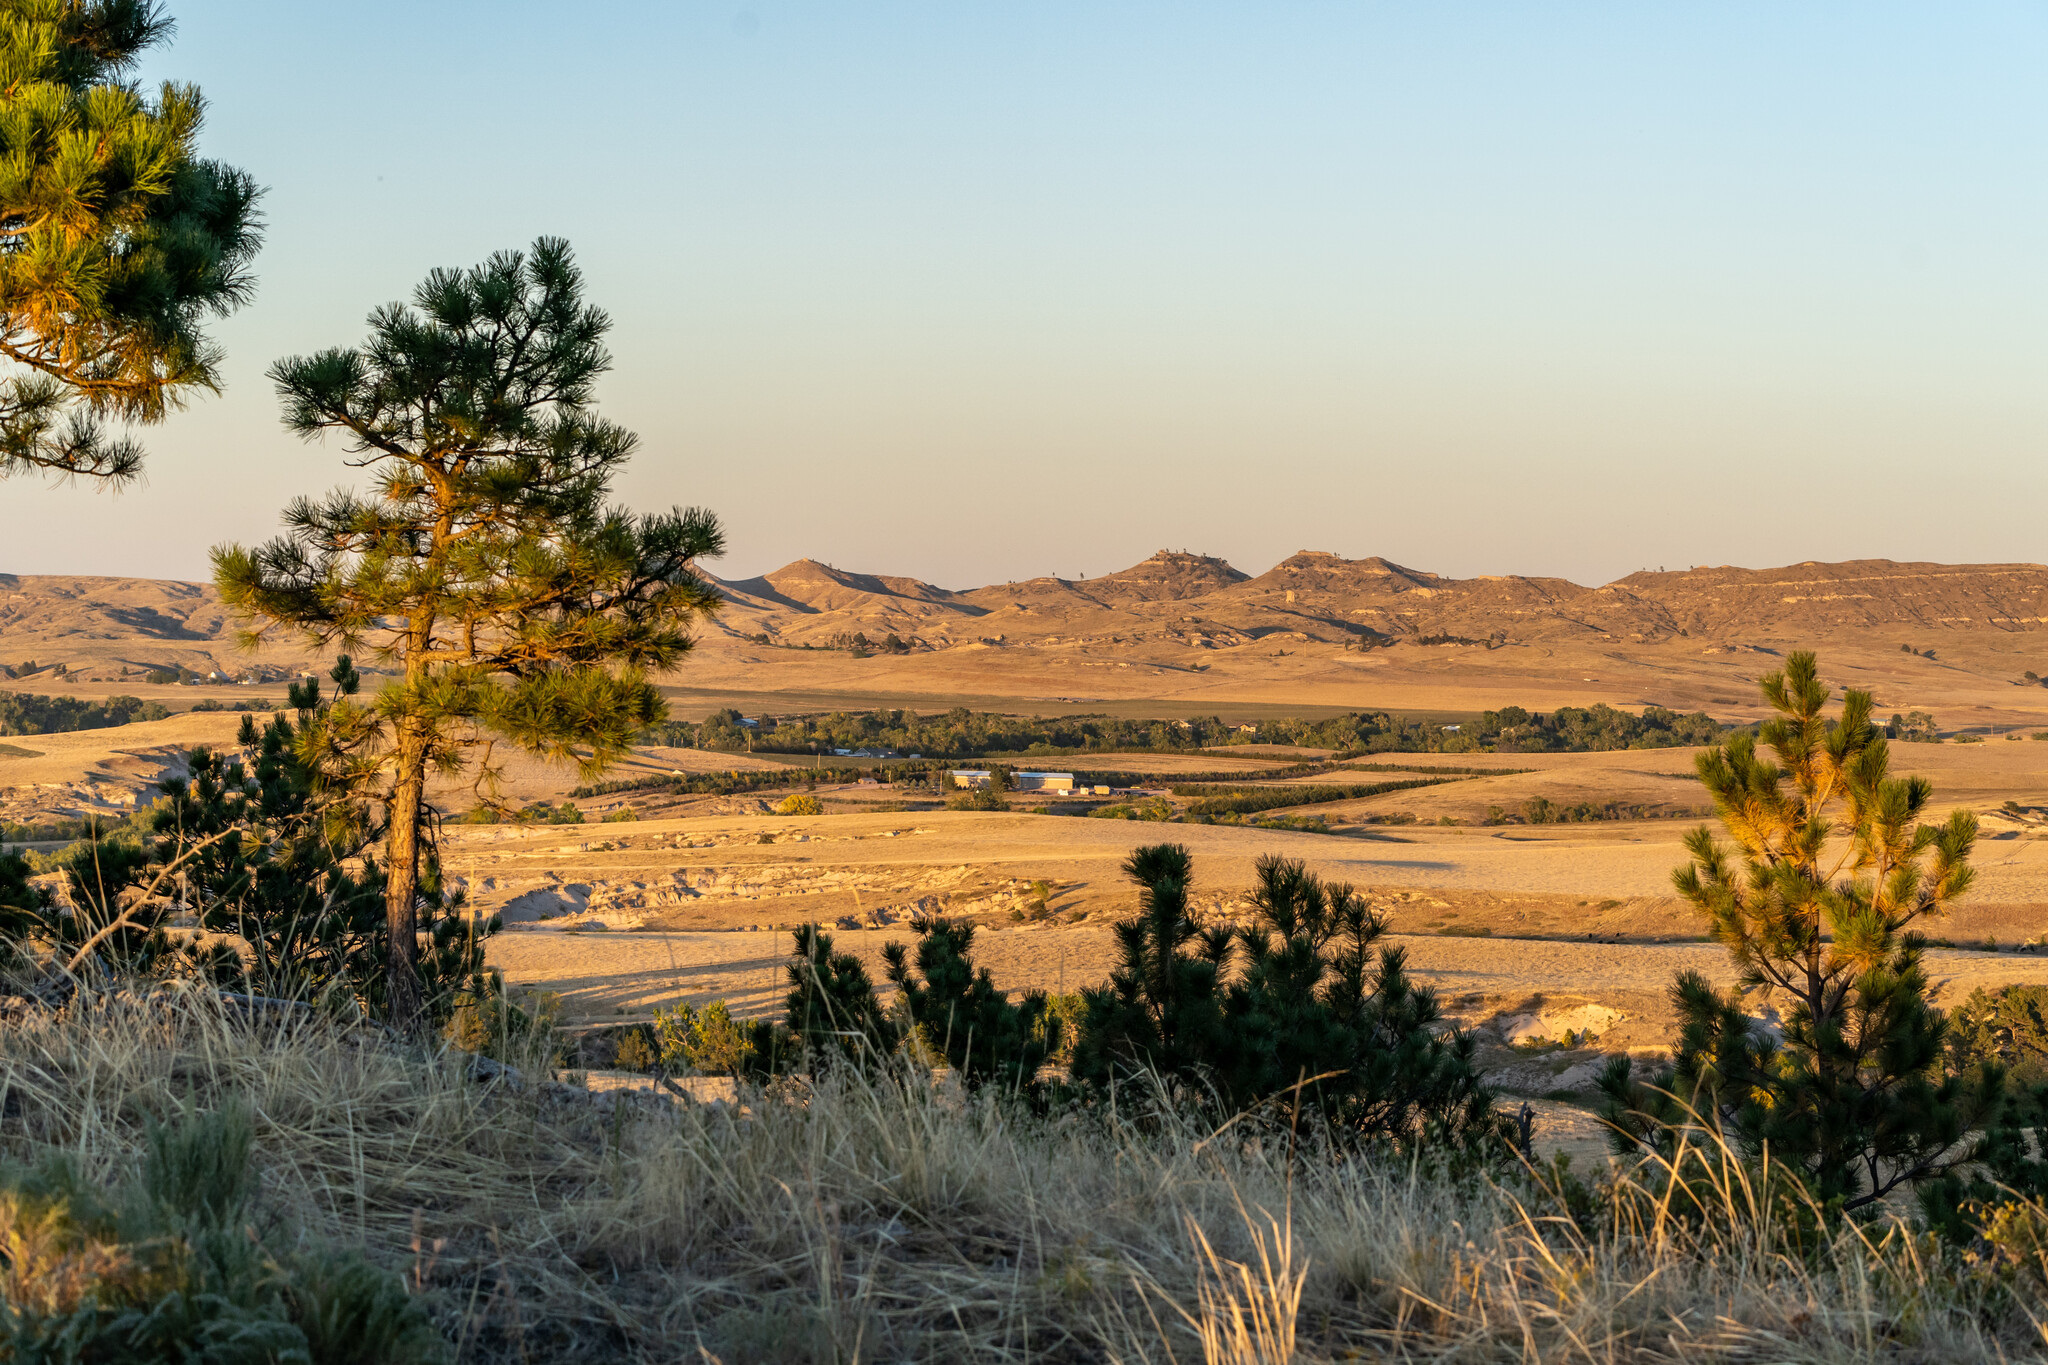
(895, 1219)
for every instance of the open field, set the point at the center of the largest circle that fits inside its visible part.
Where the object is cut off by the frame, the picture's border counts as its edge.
(1526, 932)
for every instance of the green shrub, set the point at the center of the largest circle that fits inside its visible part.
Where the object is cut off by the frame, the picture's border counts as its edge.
(1320, 1022)
(802, 803)
(24, 713)
(2008, 1026)
(980, 798)
(634, 1052)
(522, 1033)
(707, 1041)
(1318, 1019)
(1250, 801)
(1152, 808)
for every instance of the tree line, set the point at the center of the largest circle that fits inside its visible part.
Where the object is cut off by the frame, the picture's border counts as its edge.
(28, 713)
(960, 733)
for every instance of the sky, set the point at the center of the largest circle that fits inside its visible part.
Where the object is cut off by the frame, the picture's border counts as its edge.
(975, 292)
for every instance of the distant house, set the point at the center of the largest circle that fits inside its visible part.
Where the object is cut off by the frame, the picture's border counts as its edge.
(972, 778)
(1043, 782)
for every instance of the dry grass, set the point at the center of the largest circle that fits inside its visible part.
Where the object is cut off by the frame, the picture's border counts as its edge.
(898, 1220)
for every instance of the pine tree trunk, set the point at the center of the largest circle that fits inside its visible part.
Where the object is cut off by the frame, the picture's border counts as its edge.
(401, 886)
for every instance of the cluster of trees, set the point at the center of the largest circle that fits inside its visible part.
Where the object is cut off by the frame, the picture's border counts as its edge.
(1577, 729)
(961, 733)
(958, 733)
(1915, 727)
(1303, 1019)
(1541, 810)
(859, 643)
(27, 713)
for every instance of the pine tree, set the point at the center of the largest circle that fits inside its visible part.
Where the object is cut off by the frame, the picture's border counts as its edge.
(486, 567)
(117, 241)
(964, 1017)
(1831, 867)
(832, 1010)
(1161, 1012)
(1322, 1011)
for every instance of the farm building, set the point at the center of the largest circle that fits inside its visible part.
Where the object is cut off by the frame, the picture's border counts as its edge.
(976, 778)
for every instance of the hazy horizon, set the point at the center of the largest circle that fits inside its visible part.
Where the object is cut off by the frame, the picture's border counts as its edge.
(979, 295)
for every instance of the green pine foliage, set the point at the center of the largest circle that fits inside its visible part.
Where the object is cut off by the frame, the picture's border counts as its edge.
(256, 846)
(706, 1042)
(2008, 1026)
(1319, 1021)
(1320, 997)
(121, 242)
(1161, 1013)
(22, 904)
(832, 1015)
(486, 562)
(961, 1015)
(1320, 1031)
(1831, 867)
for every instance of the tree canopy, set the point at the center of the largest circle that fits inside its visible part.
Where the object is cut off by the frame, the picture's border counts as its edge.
(118, 242)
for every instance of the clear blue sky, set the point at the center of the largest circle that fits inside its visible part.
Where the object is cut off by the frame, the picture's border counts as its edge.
(979, 291)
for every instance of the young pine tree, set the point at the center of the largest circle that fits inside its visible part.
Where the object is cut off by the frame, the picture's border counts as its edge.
(831, 1009)
(1830, 869)
(1161, 1012)
(485, 566)
(963, 1017)
(119, 240)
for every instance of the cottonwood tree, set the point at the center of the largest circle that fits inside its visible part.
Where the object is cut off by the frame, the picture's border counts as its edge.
(1831, 866)
(486, 567)
(117, 241)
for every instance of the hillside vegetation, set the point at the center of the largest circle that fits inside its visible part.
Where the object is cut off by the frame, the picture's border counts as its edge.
(25, 713)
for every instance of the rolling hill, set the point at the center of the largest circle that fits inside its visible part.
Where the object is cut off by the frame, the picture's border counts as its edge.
(1314, 630)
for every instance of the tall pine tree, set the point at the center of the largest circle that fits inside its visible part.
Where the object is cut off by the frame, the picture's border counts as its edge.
(1831, 868)
(485, 567)
(117, 241)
